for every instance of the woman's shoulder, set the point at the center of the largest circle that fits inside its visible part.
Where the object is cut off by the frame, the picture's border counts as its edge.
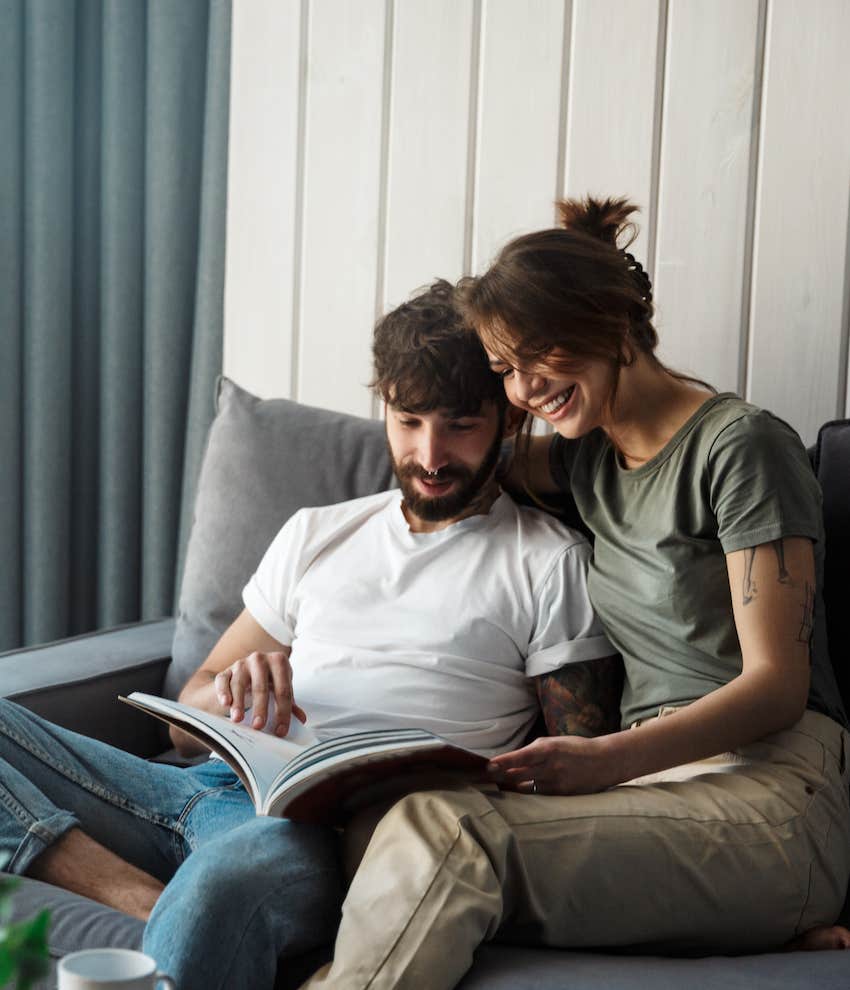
(733, 425)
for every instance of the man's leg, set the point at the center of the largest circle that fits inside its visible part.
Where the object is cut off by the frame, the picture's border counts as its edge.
(265, 890)
(77, 863)
(56, 785)
(64, 796)
(656, 864)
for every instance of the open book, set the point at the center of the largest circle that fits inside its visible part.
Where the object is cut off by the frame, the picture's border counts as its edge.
(310, 780)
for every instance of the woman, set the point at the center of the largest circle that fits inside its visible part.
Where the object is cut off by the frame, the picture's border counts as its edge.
(706, 568)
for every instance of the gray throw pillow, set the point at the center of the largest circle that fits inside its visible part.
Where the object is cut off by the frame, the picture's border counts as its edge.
(265, 458)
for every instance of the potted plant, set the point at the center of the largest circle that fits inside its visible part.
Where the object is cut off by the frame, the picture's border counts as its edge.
(23, 944)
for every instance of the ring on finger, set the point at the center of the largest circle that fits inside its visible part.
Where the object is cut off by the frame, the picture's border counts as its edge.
(533, 786)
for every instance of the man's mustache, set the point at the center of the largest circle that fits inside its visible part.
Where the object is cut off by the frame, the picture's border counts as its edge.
(448, 472)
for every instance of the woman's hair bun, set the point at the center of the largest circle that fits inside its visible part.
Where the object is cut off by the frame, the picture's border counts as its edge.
(605, 219)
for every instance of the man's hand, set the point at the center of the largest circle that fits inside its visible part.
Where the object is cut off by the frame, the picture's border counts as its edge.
(556, 765)
(249, 682)
(245, 661)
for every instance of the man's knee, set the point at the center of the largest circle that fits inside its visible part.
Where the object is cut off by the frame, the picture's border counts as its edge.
(266, 853)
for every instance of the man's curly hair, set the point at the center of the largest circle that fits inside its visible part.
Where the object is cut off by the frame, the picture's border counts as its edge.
(426, 358)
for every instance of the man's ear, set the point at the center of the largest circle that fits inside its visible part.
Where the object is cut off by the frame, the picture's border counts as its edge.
(514, 419)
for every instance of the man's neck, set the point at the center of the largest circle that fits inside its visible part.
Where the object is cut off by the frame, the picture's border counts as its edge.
(479, 506)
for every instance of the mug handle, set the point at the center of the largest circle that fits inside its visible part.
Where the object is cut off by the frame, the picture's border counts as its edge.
(166, 979)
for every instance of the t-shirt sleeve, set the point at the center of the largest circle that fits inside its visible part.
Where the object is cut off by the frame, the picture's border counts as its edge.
(762, 486)
(566, 629)
(268, 594)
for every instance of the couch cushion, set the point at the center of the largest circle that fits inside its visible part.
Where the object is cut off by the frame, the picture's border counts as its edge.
(265, 458)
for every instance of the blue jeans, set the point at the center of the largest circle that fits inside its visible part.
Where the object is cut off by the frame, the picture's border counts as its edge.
(240, 890)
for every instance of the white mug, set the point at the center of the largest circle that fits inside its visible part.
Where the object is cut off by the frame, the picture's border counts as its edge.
(111, 969)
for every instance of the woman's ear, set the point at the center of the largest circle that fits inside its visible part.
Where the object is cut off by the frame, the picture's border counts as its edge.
(514, 419)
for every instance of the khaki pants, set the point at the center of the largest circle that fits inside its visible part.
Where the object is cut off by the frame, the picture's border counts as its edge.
(739, 853)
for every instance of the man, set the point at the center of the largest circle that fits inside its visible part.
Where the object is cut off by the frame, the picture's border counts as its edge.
(443, 606)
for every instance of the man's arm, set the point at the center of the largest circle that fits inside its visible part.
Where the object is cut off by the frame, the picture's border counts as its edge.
(245, 660)
(582, 699)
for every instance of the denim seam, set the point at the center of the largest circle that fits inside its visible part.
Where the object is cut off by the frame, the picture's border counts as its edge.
(184, 832)
(39, 836)
(87, 784)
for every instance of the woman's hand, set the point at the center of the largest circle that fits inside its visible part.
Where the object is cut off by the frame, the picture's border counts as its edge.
(556, 765)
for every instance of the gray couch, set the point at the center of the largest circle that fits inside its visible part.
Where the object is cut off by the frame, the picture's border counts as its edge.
(264, 459)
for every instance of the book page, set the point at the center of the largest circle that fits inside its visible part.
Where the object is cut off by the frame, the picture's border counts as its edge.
(254, 754)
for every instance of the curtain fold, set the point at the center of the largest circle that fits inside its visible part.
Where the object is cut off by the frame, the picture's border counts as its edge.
(113, 146)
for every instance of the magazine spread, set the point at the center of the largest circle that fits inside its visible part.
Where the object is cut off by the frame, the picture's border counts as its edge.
(310, 780)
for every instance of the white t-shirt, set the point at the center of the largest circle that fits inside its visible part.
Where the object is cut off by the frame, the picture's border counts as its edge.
(439, 630)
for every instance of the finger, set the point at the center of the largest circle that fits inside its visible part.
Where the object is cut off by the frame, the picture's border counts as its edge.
(222, 688)
(281, 674)
(299, 713)
(530, 755)
(239, 684)
(258, 664)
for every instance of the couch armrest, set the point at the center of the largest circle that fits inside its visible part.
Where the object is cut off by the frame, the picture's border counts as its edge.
(76, 682)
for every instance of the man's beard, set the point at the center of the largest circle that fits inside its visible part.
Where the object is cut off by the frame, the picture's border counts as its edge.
(438, 508)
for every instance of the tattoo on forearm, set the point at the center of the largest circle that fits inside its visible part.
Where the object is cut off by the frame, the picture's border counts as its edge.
(779, 548)
(582, 699)
(807, 621)
(783, 575)
(749, 583)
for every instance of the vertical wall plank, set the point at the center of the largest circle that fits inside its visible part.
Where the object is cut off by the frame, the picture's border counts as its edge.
(611, 105)
(428, 144)
(342, 165)
(802, 214)
(704, 180)
(261, 207)
(519, 105)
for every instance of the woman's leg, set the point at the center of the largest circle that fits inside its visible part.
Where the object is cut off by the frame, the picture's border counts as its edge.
(739, 857)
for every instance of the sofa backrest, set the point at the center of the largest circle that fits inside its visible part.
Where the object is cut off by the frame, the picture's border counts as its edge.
(831, 462)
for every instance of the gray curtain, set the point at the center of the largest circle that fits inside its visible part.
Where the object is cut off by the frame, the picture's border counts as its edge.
(113, 151)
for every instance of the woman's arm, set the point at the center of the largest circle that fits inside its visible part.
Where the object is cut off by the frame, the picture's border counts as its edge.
(528, 469)
(245, 659)
(772, 588)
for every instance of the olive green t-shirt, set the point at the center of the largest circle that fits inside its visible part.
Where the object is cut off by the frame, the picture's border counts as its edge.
(733, 476)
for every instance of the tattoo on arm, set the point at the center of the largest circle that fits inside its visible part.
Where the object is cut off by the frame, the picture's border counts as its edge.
(749, 584)
(582, 699)
(783, 575)
(807, 623)
(779, 548)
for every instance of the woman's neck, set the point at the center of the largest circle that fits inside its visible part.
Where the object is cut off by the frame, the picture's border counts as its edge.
(650, 407)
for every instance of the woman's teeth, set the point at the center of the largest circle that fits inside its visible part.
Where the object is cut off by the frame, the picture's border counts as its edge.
(559, 400)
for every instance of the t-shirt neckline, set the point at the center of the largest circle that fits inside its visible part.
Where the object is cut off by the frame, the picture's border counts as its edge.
(670, 447)
(399, 521)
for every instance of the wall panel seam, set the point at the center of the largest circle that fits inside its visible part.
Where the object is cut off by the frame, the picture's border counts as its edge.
(384, 177)
(843, 398)
(657, 136)
(566, 92)
(300, 183)
(472, 152)
(752, 200)
(563, 106)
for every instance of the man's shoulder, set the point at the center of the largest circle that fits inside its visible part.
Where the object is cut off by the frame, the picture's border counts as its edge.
(540, 528)
(352, 508)
(318, 522)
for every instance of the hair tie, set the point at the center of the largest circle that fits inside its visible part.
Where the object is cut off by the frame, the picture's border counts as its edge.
(640, 277)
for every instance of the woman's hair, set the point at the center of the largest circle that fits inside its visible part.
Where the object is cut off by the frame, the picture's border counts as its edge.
(568, 294)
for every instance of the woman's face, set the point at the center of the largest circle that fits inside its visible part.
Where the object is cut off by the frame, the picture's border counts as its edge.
(569, 394)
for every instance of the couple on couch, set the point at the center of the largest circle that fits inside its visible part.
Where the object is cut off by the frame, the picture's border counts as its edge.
(709, 796)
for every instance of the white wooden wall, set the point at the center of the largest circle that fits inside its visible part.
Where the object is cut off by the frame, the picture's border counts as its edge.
(377, 144)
